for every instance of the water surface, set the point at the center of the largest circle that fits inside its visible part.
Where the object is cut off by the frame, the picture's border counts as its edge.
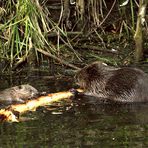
(75, 124)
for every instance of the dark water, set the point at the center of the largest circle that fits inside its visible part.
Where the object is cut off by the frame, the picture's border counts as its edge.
(75, 124)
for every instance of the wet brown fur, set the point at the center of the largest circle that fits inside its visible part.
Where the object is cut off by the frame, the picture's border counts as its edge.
(117, 84)
(18, 93)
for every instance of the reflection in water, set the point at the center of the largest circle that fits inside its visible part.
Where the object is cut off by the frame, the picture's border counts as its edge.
(83, 123)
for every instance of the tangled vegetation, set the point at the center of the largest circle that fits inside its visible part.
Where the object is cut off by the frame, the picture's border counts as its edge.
(32, 31)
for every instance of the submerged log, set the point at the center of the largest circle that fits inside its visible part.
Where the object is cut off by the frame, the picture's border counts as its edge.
(11, 113)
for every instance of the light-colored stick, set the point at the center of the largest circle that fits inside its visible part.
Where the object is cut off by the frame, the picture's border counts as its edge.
(8, 113)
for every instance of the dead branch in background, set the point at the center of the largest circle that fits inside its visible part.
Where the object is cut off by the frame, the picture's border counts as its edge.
(96, 49)
(57, 59)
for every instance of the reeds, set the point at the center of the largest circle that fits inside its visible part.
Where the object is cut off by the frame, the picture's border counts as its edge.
(27, 19)
(24, 20)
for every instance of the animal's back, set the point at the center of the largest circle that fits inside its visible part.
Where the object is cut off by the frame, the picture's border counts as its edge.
(128, 85)
(115, 84)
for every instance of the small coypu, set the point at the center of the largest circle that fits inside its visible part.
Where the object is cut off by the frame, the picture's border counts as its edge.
(17, 93)
(114, 84)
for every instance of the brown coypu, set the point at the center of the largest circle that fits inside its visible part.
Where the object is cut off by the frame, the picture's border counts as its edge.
(17, 93)
(114, 84)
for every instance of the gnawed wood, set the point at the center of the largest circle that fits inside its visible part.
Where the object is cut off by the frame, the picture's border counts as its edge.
(9, 114)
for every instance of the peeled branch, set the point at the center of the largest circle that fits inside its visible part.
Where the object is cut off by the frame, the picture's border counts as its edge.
(9, 114)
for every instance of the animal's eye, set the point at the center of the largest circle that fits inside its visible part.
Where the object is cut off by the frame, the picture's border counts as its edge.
(30, 91)
(20, 86)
